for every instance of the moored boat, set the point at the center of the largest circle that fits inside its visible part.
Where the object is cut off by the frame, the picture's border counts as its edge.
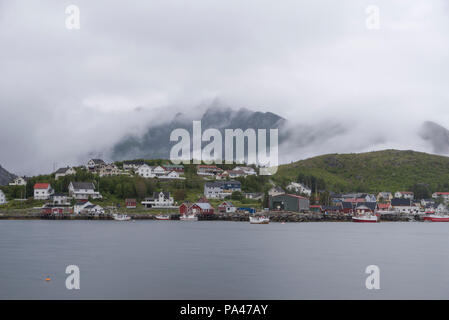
(188, 217)
(366, 218)
(436, 217)
(162, 217)
(259, 220)
(121, 217)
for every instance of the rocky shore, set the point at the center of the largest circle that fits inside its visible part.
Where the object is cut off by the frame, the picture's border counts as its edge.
(274, 216)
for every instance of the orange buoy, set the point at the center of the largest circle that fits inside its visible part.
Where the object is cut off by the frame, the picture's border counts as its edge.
(47, 279)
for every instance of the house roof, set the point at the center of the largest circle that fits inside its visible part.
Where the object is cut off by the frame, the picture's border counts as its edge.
(400, 202)
(179, 166)
(133, 162)
(442, 193)
(204, 205)
(41, 186)
(226, 204)
(82, 185)
(156, 195)
(221, 183)
(347, 205)
(202, 166)
(97, 161)
(354, 200)
(62, 170)
(59, 195)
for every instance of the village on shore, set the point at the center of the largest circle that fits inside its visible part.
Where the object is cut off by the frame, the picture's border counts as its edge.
(220, 188)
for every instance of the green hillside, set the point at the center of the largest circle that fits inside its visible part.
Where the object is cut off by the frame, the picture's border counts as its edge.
(388, 170)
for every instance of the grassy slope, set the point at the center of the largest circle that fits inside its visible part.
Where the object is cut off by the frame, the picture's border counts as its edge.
(389, 170)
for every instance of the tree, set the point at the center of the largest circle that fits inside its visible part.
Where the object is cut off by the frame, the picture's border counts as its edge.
(421, 191)
(266, 200)
(237, 195)
(141, 188)
(179, 194)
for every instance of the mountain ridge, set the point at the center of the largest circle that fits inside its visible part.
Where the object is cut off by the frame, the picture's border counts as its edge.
(385, 170)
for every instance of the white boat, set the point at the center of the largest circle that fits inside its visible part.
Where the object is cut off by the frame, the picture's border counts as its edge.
(366, 218)
(189, 217)
(259, 220)
(121, 217)
(162, 217)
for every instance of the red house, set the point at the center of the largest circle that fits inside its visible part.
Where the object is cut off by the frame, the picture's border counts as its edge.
(201, 208)
(196, 208)
(131, 203)
(183, 208)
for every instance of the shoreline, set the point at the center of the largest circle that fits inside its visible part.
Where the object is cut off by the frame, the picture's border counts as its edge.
(236, 217)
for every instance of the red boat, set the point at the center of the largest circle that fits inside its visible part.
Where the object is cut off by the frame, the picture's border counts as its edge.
(436, 218)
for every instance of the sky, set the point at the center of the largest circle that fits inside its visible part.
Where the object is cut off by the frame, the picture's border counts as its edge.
(66, 95)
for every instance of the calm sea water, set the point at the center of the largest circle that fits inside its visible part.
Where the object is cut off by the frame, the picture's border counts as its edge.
(222, 260)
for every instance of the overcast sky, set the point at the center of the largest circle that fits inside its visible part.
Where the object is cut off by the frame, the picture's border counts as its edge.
(67, 93)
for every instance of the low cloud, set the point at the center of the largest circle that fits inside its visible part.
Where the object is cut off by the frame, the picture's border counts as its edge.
(66, 94)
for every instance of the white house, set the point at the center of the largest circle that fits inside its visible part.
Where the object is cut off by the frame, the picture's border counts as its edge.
(172, 175)
(60, 198)
(83, 190)
(132, 164)
(443, 195)
(42, 191)
(404, 205)
(275, 191)
(221, 189)
(145, 171)
(108, 170)
(227, 207)
(207, 170)
(62, 172)
(93, 209)
(299, 188)
(94, 164)
(159, 171)
(404, 194)
(248, 171)
(2, 197)
(159, 200)
(79, 206)
(19, 181)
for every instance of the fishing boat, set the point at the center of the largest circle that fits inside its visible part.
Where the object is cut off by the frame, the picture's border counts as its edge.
(365, 218)
(188, 217)
(436, 217)
(162, 217)
(259, 220)
(121, 217)
(365, 214)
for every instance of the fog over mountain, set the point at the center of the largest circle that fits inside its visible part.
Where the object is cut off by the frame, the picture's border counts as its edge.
(117, 86)
(437, 136)
(5, 176)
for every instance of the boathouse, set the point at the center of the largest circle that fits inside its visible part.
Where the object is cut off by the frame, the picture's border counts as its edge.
(289, 202)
